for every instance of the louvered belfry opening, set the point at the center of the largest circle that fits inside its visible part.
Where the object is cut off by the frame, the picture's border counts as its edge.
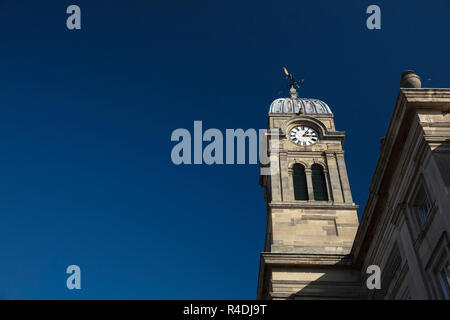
(300, 188)
(319, 183)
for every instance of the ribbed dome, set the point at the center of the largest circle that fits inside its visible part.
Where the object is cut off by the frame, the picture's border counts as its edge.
(293, 105)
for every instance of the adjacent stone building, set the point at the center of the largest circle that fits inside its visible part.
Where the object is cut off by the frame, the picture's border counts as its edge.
(314, 248)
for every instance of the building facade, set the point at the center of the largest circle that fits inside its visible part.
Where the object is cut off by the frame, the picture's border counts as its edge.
(314, 248)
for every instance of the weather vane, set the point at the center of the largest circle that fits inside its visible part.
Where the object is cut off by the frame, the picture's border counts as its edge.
(292, 82)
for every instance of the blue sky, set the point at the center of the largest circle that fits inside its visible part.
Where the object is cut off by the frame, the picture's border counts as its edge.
(86, 117)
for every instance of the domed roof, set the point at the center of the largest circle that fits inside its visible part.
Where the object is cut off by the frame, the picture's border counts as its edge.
(294, 104)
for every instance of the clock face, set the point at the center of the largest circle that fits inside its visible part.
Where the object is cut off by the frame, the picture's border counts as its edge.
(303, 135)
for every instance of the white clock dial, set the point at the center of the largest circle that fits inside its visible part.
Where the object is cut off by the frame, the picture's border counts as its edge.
(303, 135)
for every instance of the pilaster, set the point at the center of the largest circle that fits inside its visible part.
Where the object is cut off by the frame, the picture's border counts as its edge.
(334, 177)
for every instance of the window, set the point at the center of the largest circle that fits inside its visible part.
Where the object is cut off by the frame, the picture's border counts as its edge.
(444, 281)
(319, 183)
(422, 206)
(300, 189)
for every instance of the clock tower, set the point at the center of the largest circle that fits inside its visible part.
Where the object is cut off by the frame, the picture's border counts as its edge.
(311, 217)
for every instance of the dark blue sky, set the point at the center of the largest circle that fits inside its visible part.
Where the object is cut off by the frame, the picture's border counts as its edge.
(86, 117)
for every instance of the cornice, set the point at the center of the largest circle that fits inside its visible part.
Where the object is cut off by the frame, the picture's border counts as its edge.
(426, 97)
(312, 205)
(296, 259)
(293, 115)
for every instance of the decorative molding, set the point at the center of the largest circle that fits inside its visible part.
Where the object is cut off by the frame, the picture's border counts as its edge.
(292, 163)
(313, 205)
(297, 259)
(398, 213)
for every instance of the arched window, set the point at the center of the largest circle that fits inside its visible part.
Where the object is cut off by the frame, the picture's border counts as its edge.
(319, 183)
(300, 189)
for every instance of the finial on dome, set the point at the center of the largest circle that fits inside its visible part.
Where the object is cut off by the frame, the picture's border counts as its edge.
(292, 84)
(293, 93)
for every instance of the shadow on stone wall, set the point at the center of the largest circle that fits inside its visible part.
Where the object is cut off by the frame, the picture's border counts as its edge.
(341, 280)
